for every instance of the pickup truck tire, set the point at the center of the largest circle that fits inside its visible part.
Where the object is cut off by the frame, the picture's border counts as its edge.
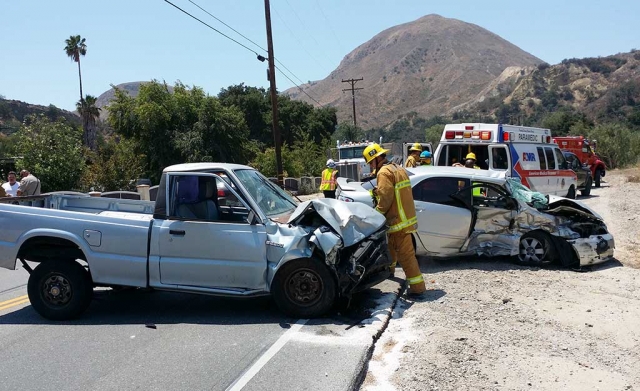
(304, 288)
(587, 187)
(597, 176)
(60, 290)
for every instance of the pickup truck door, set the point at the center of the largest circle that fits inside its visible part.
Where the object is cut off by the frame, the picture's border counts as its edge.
(201, 245)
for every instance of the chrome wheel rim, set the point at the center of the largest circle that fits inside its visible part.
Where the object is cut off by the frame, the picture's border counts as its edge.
(532, 250)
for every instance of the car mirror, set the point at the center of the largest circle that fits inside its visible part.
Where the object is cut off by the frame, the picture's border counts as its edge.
(511, 203)
(252, 219)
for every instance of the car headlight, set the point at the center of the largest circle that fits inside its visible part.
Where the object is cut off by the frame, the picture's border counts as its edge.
(345, 199)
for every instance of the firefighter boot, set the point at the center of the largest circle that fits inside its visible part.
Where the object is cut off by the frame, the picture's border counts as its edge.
(401, 248)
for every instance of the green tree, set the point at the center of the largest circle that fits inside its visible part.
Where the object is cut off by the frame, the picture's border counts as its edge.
(76, 47)
(186, 125)
(89, 113)
(116, 166)
(348, 132)
(433, 134)
(52, 151)
(617, 145)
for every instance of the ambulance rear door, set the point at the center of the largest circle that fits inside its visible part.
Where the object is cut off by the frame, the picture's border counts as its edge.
(499, 158)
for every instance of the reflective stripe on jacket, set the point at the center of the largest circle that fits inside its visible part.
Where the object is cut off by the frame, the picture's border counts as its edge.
(411, 161)
(395, 199)
(328, 179)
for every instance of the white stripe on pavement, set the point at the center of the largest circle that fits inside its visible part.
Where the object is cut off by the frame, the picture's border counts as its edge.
(268, 355)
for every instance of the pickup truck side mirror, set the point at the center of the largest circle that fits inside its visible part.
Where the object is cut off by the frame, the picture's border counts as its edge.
(252, 219)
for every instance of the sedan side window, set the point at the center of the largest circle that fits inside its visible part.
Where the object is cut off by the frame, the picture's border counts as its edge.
(439, 190)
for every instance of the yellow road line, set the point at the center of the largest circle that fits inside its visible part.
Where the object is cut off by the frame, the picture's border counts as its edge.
(13, 302)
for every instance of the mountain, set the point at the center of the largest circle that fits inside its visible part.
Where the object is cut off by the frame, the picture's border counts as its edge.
(13, 113)
(602, 89)
(428, 66)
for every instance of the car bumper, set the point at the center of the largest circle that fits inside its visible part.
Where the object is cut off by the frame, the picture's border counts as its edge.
(594, 249)
(367, 264)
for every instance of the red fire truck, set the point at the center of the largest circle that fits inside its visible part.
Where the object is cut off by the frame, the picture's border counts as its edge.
(585, 150)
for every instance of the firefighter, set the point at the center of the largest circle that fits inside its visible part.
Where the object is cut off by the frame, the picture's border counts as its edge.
(425, 158)
(395, 202)
(414, 155)
(329, 180)
(470, 161)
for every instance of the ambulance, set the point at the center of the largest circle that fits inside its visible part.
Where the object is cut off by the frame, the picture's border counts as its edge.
(520, 152)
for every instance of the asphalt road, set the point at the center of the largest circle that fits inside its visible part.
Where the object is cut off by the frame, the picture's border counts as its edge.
(167, 341)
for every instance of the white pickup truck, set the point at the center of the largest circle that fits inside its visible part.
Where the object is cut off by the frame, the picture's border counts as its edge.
(220, 229)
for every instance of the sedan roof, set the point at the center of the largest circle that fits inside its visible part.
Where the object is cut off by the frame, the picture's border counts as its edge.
(423, 172)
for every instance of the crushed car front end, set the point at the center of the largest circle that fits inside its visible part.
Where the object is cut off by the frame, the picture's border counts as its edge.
(581, 236)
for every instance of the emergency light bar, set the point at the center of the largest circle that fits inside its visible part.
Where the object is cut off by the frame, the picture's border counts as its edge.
(475, 135)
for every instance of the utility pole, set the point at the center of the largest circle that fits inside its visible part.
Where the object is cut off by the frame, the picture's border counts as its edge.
(353, 96)
(274, 95)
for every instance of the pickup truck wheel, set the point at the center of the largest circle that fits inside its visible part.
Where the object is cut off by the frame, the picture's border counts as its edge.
(535, 249)
(596, 177)
(304, 288)
(587, 187)
(60, 290)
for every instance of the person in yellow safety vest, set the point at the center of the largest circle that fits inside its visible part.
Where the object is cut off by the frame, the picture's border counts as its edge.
(395, 202)
(329, 180)
(470, 162)
(414, 155)
(425, 158)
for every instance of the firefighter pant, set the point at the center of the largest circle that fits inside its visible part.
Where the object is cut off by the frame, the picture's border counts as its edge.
(401, 248)
(329, 193)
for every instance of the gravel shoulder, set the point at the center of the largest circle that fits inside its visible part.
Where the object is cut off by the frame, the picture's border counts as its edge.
(493, 325)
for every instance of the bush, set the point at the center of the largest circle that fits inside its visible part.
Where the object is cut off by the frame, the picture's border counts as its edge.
(52, 151)
(618, 146)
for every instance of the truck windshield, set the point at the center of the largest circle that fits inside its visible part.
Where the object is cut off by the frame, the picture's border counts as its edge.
(351, 153)
(270, 198)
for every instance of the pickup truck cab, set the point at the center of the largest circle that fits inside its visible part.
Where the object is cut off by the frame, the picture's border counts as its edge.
(215, 228)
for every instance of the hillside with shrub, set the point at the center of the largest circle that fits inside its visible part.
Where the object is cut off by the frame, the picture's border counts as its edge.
(595, 97)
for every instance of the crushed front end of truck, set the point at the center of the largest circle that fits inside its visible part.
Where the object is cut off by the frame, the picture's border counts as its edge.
(350, 238)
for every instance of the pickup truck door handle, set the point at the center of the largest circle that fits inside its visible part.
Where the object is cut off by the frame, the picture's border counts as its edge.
(177, 232)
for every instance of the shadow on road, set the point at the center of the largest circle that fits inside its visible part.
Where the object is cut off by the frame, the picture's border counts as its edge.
(581, 197)
(148, 307)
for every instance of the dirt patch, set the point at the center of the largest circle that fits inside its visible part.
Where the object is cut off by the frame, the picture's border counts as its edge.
(500, 326)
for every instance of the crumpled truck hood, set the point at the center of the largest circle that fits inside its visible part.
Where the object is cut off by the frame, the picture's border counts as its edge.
(351, 220)
(557, 204)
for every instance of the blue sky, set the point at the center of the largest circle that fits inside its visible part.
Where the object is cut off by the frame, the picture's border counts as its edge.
(148, 39)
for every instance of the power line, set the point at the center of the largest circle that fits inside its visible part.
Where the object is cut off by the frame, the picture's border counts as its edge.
(244, 46)
(330, 26)
(300, 88)
(301, 22)
(295, 37)
(213, 28)
(245, 37)
(353, 90)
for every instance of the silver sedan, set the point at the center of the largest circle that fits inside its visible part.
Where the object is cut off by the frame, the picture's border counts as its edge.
(465, 212)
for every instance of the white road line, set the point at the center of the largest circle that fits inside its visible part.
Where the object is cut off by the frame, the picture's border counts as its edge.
(268, 355)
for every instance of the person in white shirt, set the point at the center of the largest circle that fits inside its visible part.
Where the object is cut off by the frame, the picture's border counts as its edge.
(11, 187)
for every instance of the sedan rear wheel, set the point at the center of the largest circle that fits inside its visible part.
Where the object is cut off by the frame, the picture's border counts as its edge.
(535, 249)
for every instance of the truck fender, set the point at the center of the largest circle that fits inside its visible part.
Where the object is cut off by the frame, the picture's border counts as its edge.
(51, 233)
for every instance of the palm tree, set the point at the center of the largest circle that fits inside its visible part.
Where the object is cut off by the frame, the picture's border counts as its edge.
(74, 49)
(89, 113)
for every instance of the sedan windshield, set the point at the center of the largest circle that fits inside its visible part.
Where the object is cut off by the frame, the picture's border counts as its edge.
(270, 198)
